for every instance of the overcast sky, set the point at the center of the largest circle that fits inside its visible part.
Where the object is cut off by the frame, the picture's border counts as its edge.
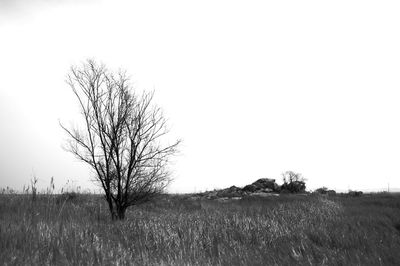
(254, 88)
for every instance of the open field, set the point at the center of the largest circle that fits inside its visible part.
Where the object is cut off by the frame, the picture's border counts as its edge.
(284, 230)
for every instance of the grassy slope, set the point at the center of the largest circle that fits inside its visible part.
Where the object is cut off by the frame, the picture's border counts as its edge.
(286, 230)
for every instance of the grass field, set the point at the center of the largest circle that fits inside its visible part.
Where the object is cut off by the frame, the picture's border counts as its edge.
(284, 230)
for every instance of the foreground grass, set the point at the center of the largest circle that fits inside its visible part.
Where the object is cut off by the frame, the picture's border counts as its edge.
(285, 230)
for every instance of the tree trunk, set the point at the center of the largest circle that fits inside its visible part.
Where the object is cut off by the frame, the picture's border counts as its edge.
(111, 207)
(116, 210)
(121, 213)
(114, 216)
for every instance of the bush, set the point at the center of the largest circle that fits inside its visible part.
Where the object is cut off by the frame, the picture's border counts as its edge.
(355, 193)
(293, 182)
(321, 190)
(294, 186)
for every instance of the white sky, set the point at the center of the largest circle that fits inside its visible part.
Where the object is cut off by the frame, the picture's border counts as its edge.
(254, 88)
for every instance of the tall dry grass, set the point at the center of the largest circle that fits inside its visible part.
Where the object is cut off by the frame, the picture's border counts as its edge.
(285, 230)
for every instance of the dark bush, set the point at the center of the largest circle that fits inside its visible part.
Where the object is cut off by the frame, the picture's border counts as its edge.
(331, 192)
(285, 191)
(294, 187)
(321, 190)
(355, 193)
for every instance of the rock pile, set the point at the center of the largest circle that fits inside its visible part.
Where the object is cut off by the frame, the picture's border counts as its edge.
(266, 185)
(262, 186)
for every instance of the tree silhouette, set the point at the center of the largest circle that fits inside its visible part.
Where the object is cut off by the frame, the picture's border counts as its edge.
(293, 182)
(121, 136)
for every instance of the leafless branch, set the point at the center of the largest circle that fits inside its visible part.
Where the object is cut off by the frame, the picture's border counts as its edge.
(121, 138)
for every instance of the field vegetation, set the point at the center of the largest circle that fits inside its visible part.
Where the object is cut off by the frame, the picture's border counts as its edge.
(76, 229)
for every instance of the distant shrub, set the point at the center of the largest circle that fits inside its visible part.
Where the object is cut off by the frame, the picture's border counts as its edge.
(355, 193)
(294, 186)
(325, 191)
(321, 190)
(293, 182)
(285, 191)
(331, 192)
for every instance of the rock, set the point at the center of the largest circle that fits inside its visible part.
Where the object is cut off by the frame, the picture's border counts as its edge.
(224, 199)
(262, 194)
(250, 188)
(265, 183)
(232, 191)
(259, 187)
(211, 194)
(267, 190)
(262, 185)
(236, 198)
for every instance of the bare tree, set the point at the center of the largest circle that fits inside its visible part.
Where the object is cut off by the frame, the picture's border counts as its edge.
(293, 182)
(290, 176)
(121, 137)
